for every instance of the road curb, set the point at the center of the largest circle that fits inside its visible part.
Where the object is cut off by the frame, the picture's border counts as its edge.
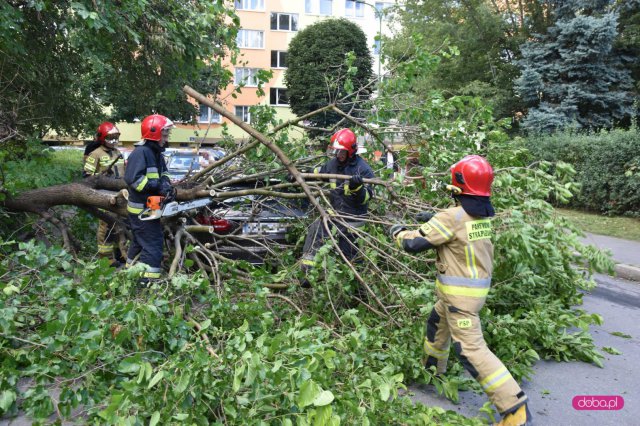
(628, 272)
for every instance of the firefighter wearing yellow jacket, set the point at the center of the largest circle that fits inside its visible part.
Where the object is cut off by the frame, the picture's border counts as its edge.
(105, 159)
(461, 236)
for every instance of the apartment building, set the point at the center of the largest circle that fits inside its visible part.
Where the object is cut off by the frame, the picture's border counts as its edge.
(267, 28)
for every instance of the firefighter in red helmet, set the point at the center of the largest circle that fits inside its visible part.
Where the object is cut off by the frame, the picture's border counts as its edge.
(349, 199)
(461, 236)
(147, 175)
(102, 157)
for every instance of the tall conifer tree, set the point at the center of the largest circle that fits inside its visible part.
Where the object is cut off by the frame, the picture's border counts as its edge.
(571, 76)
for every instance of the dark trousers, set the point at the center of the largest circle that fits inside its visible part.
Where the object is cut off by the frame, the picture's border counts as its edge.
(148, 240)
(317, 235)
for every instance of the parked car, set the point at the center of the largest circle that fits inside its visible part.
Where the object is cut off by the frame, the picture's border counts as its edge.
(179, 164)
(253, 226)
(182, 162)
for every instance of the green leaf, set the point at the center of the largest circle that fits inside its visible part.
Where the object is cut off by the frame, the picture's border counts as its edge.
(205, 325)
(612, 351)
(129, 365)
(237, 377)
(309, 391)
(114, 404)
(155, 418)
(7, 398)
(323, 416)
(385, 391)
(90, 334)
(159, 375)
(620, 334)
(182, 384)
(325, 398)
(148, 370)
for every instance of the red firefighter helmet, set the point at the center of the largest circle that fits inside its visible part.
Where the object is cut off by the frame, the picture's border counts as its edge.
(153, 125)
(107, 129)
(345, 139)
(473, 175)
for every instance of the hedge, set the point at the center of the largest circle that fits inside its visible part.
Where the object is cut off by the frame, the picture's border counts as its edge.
(607, 165)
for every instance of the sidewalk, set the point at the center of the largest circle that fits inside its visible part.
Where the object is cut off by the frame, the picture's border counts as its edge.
(625, 254)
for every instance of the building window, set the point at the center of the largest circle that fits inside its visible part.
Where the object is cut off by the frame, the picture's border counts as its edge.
(353, 9)
(284, 21)
(242, 112)
(247, 77)
(252, 39)
(278, 96)
(250, 4)
(380, 8)
(318, 7)
(278, 59)
(207, 115)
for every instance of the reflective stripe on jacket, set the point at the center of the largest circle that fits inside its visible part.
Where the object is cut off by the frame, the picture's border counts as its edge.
(342, 199)
(464, 256)
(146, 169)
(99, 160)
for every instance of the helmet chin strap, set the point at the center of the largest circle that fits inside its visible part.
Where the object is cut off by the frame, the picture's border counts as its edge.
(454, 190)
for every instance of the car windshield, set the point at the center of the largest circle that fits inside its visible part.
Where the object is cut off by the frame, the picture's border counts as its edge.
(184, 162)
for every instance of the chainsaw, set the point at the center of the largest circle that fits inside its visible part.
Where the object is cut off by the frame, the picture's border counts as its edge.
(157, 207)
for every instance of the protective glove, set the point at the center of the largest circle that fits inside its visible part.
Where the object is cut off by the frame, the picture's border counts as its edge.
(291, 178)
(169, 196)
(154, 186)
(355, 182)
(165, 187)
(396, 229)
(424, 217)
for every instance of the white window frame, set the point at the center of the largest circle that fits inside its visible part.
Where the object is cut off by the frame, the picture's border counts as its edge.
(277, 91)
(212, 116)
(291, 18)
(245, 36)
(279, 59)
(249, 5)
(353, 9)
(381, 7)
(245, 113)
(248, 76)
(314, 7)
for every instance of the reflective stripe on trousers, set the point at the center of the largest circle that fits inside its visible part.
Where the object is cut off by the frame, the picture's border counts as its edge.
(448, 324)
(148, 241)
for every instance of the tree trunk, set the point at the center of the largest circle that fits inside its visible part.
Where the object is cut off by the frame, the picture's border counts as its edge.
(94, 192)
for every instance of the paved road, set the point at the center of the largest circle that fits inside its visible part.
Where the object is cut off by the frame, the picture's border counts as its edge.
(622, 251)
(554, 384)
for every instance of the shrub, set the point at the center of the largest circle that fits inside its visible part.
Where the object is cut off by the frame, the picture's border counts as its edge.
(607, 165)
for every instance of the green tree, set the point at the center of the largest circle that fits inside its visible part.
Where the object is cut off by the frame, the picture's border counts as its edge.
(317, 69)
(628, 43)
(64, 61)
(486, 35)
(572, 75)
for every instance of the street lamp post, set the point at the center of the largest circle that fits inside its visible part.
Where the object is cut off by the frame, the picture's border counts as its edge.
(379, 14)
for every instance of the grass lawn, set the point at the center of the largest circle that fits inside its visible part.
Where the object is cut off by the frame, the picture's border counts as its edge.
(620, 227)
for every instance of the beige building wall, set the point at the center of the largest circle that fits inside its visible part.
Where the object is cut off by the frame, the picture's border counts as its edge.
(364, 15)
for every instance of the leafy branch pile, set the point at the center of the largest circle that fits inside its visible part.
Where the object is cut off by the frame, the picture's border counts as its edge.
(185, 350)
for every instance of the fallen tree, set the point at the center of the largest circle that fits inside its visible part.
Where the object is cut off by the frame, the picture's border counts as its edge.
(223, 341)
